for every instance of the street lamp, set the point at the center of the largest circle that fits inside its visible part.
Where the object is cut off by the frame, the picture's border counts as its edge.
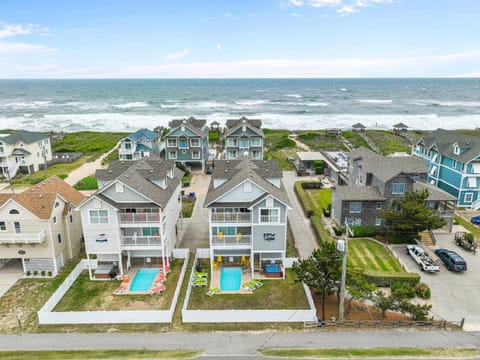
(342, 246)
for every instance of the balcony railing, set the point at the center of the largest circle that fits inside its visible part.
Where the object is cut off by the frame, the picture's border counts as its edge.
(133, 218)
(227, 240)
(141, 240)
(28, 238)
(445, 213)
(269, 219)
(236, 217)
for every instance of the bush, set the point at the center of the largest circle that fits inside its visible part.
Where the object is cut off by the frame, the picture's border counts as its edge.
(364, 231)
(42, 273)
(387, 279)
(338, 231)
(402, 290)
(87, 183)
(327, 211)
(311, 185)
(50, 273)
(423, 291)
(35, 273)
(470, 237)
(29, 273)
(62, 176)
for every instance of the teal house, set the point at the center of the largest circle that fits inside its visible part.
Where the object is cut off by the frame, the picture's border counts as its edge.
(454, 164)
(187, 142)
(244, 137)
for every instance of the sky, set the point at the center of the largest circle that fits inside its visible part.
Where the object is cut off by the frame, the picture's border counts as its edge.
(239, 39)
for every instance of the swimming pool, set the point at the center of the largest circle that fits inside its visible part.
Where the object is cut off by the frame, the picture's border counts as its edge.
(231, 278)
(143, 279)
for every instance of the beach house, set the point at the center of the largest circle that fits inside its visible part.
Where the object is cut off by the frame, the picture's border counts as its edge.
(244, 137)
(132, 218)
(23, 151)
(376, 181)
(453, 161)
(248, 207)
(40, 227)
(141, 143)
(187, 142)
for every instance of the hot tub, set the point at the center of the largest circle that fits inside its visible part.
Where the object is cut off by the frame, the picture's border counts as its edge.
(272, 270)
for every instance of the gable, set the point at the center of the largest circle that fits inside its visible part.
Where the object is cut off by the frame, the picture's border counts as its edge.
(119, 193)
(246, 191)
(178, 132)
(249, 132)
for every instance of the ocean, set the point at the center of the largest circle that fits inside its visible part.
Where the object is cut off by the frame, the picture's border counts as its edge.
(127, 105)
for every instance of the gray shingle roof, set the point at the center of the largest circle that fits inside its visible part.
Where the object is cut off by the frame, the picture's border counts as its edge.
(400, 126)
(434, 193)
(444, 140)
(24, 136)
(18, 151)
(140, 176)
(359, 126)
(146, 133)
(360, 193)
(237, 171)
(230, 123)
(196, 125)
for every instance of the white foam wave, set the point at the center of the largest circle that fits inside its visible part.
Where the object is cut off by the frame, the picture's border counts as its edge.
(447, 103)
(206, 105)
(131, 105)
(169, 106)
(375, 101)
(250, 102)
(343, 89)
(296, 96)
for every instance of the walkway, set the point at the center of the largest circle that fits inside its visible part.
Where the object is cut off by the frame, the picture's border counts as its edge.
(305, 240)
(9, 274)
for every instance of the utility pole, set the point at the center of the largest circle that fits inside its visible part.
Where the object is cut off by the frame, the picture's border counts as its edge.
(342, 245)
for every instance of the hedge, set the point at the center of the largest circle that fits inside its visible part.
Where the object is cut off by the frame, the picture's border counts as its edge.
(386, 279)
(364, 231)
(299, 188)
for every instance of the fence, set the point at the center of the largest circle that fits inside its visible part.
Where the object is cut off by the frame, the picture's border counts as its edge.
(383, 324)
(47, 316)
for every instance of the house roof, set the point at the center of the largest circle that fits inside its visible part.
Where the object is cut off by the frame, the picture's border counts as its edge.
(400, 125)
(310, 155)
(141, 175)
(24, 136)
(142, 133)
(444, 140)
(142, 147)
(40, 198)
(196, 125)
(18, 151)
(360, 193)
(359, 126)
(237, 171)
(234, 125)
(434, 193)
(361, 152)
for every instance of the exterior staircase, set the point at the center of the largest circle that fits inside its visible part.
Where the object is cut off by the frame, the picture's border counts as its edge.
(426, 239)
(370, 143)
(476, 205)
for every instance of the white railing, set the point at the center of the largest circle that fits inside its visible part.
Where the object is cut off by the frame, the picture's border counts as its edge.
(227, 240)
(142, 241)
(269, 219)
(234, 217)
(37, 238)
(476, 205)
(133, 218)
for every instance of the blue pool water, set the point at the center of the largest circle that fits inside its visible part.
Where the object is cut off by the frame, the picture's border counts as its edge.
(231, 278)
(143, 279)
(272, 268)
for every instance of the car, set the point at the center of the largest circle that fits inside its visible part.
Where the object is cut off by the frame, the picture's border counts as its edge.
(475, 220)
(451, 260)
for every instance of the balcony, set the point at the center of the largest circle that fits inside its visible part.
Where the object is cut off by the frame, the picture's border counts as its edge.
(137, 218)
(269, 219)
(136, 240)
(17, 239)
(233, 217)
(231, 240)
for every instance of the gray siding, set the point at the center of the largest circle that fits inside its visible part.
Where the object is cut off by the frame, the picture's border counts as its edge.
(127, 195)
(259, 243)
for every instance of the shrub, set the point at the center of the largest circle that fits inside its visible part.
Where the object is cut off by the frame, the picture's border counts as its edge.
(338, 231)
(42, 272)
(310, 213)
(311, 185)
(284, 143)
(364, 231)
(327, 211)
(50, 273)
(470, 237)
(29, 273)
(35, 273)
(62, 176)
(402, 290)
(387, 279)
(423, 291)
(87, 183)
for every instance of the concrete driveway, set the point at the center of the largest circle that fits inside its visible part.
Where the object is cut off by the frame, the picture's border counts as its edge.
(9, 274)
(454, 295)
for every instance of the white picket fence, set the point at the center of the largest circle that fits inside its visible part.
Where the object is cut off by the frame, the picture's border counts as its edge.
(47, 316)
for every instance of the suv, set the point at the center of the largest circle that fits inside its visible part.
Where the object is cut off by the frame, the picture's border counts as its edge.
(451, 260)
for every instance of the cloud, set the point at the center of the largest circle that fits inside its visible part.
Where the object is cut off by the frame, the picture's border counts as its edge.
(13, 30)
(218, 46)
(18, 48)
(343, 7)
(296, 2)
(178, 55)
(231, 16)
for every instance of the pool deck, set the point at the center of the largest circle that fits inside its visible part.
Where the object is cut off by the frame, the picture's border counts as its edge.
(125, 285)
(246, 277)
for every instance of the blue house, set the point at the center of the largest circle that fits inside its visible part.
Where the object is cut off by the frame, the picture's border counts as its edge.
(454, 164)
(140, 144)
(187, 142)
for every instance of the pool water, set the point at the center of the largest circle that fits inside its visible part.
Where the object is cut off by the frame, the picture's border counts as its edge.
(231, 278)
(143, 279)
(272, 268)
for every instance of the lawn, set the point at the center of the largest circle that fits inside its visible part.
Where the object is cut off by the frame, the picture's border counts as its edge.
(188, 204)
(372, 256)
(356, 140)
(320, 140)
(87, 183)
(469, 226)
(87, 295)
(59, 169)
(278, 146)
(388, 142)
(100, 354)
(320, 199)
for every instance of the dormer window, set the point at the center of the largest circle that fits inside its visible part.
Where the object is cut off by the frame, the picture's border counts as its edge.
(163, 183)
(119, 187)
(456, 149)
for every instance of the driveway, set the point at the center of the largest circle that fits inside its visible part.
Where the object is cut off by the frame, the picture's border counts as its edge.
(9, 274)
(305, 240)
(194, 231)
(454, 295)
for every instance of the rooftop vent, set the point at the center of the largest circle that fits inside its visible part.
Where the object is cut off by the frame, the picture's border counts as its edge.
(226, 170)
(110, 171)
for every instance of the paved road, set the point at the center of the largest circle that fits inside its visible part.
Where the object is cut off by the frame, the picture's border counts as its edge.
(240, 343)
(304, 238)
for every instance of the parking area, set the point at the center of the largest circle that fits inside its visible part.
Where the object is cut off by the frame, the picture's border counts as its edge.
(454, 295)
(9, 274)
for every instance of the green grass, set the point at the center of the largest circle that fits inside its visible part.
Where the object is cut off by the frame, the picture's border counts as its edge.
(100, 354)
(60, 169)
(421, 352)
(320, 198)
(475, 230)
(87, 183)
(187, 207)
(320, 140)
(372, 256)
(356, 140)
(469, 132)
(214, 135)
(291, 250)
(90, 143)
(278, 146)
(87, 295)
(388, 142)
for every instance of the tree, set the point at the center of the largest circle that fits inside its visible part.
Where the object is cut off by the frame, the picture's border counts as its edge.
(321, 271)
(418, 312)
(383, 302)
(358, 287)
(409, 216)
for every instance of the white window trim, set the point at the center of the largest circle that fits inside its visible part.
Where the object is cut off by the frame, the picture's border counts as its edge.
(171, 140)
(5, 226)
(265, 208)
(470, 195)
(192, 144)
(170, 152)
(183, 147)
(252, 142)
(379, 207)
(98, 211)
(398, 192)
(378, 221)
(240, 144)
(232, 142)
(196, 157)
(355, 211)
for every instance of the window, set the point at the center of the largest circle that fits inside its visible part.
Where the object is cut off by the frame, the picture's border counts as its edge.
(128, 146)
(270, 215)
(54, 220)
(358, 222)
(13, 211)
(243, 143)
(172, 142)
(16, 227)
(153, 231)
(57, 204)
(398, 188)
(350, 222)
(433, 170)
(59, 238)
(183, 143)
(195, 154)
(172, 154)
(454, 164)
(3, 226)
(256, 142)
(232, 155)
(456, 150)
(269, 236)
(227, 230)
(472, 182)
(355, 207)
(379, 205)
(468, 197)
(232, 142)
(434, 157)
(257, 154)
(1, 149)
(378, 222)
(98, 216)
(195, 142)
(71, 218)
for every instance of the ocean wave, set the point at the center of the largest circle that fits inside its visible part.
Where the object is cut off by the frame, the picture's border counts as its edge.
(206, 105)
(447, 103)
(131, 105)
(343, 89)
(375, 101)
(169, 106)
(250, 102)
(296, 96)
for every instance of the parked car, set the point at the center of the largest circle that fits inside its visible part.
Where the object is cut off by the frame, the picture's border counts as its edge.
(475, 220)
(209, 170)
(451, 260)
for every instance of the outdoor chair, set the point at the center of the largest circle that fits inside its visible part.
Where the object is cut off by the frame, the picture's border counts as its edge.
(248, 286)
(213, 291)
(256, 283)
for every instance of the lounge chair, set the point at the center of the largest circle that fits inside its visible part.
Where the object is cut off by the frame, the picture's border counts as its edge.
(248, 286)
(120, 289)
(157, 289)
(199, 283)
(200, 274)
(256, 283)
(213, 291)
